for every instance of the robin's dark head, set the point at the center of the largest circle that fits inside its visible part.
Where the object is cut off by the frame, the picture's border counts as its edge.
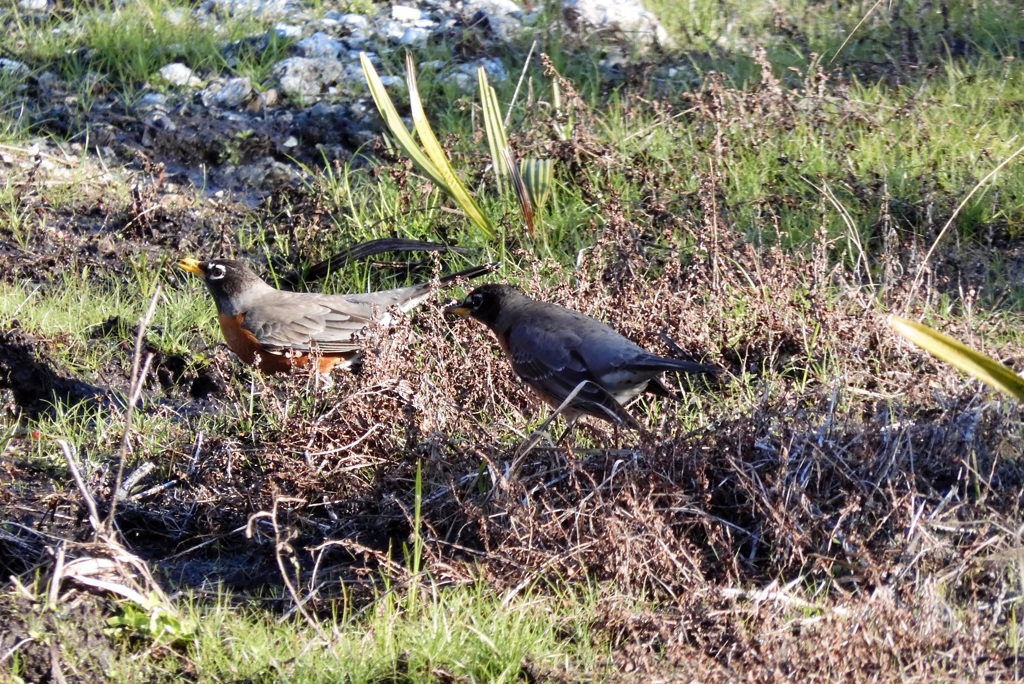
(226, 278)
(485, 303)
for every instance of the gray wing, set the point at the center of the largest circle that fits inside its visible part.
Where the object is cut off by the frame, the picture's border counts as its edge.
(326, 323)
(308, 322)
(549, 358)
(624, 367)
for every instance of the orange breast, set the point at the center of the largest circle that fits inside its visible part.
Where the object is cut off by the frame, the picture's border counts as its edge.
(241, 341)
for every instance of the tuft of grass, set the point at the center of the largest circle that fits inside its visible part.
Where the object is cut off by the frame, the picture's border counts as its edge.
(458, 632)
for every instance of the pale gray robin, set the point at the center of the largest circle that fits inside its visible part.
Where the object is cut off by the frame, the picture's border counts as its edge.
(279, 331)
(554, 350)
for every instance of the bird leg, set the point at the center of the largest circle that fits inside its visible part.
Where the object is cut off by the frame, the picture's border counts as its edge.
(539, 433)
(569, 425)
(321, 372)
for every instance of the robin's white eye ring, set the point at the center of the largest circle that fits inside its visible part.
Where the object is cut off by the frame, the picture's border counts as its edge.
(215, 271)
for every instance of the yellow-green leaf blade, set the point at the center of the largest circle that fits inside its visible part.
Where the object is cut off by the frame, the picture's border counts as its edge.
(522, 193)
(433, 149)
(493, 126)
(539, 176)
(397, 127)
(974, 363)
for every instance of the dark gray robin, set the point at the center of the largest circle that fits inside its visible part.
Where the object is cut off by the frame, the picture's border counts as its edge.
(554, 350)
(279, 331)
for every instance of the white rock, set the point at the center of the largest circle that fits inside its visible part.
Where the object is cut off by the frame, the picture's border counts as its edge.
(465, 77)
(414, 36)
(355, 22)
(406, 14)
(319, 46)
(288, 30)
(151, 101)
(305, 78)
(464, 81)
(229, 94)
(12, 67)
(494, 68)
(248, 7)
(358, 30)
(495, 6)
(618, 19)
(393, 31)
(504, 17)
(32, 5)
(354, 72)
(180, 75)
(176, 16)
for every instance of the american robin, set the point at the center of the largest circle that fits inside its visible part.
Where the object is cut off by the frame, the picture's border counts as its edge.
(279, 331)
(557, 351)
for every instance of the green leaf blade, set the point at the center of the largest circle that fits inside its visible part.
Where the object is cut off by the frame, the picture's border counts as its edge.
(959, 355)
(397, 127)
(456, 189)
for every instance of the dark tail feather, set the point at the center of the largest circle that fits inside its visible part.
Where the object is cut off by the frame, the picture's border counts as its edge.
(365, 250)
(679, 365)
(658, 388)
(472, 272)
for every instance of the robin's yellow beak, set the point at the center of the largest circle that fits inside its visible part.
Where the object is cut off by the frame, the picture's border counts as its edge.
(460, 310)
(192, 266)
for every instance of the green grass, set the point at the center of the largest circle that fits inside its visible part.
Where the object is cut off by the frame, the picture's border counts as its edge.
(465, 633)
(13, 125)
(74, 306)
(129, 43)
(120, 47)
(843, 33)
(910, 152)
